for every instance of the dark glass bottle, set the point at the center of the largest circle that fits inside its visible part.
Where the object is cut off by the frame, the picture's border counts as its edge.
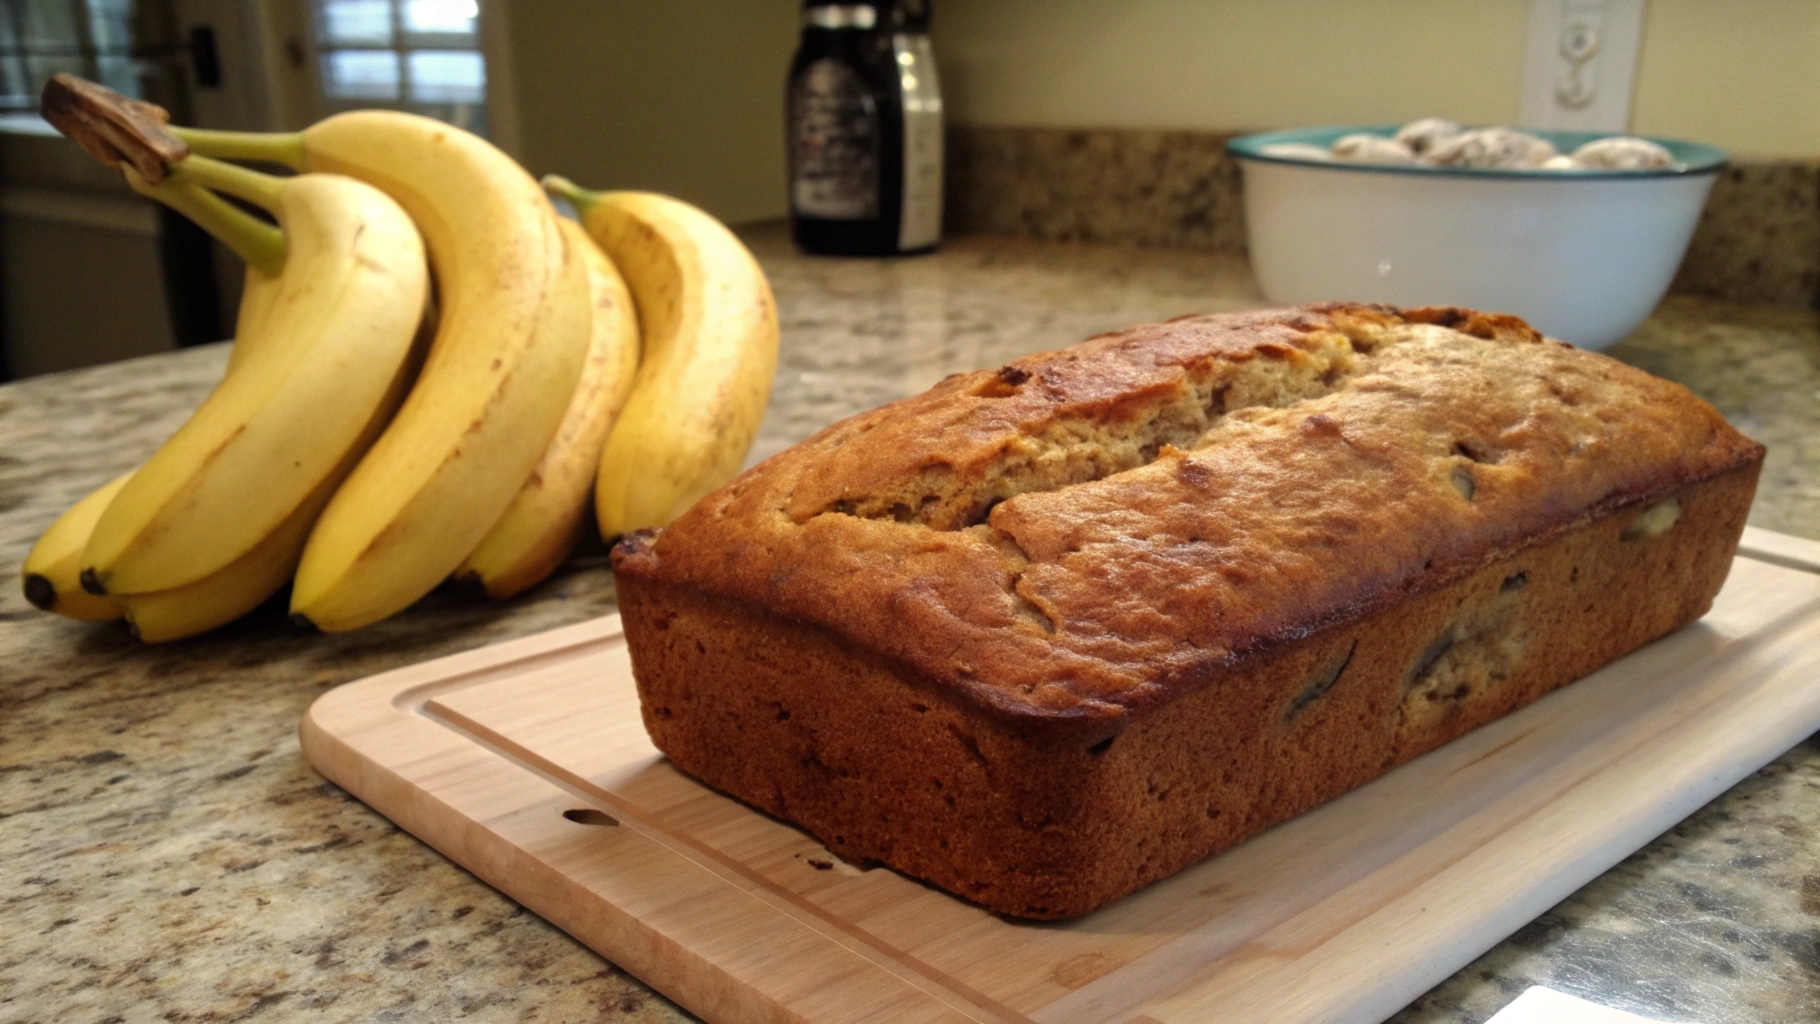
(865, 130)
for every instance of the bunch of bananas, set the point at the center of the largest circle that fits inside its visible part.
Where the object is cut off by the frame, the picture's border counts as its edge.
(368, 441)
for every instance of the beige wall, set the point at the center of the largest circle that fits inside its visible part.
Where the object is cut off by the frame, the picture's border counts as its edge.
(686, 96)
(682, 96)
(1742, 74)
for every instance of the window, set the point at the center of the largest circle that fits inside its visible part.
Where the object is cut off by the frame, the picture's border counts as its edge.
(417, 55)
(38, 38)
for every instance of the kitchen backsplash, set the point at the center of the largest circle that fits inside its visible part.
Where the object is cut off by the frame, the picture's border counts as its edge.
(1758, 240)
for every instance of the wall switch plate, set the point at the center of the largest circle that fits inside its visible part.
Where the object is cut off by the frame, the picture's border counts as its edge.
(1580, 64)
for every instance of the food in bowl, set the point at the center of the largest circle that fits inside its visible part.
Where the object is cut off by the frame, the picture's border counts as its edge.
(1583, 252)
(1622, 153)
(1492, 147)
(1426, 133)
(1048, 633)
(1439, 142)
(1372, 149)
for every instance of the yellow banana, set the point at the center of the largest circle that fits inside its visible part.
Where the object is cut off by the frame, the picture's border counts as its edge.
(331, 339)
(214, 600)
(709, 326)
(508, 352)
(53, 568)
(246, 583)
(549, 516)
(223, 596)
(258, 292)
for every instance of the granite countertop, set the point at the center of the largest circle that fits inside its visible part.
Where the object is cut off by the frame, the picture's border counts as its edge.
(169, 855)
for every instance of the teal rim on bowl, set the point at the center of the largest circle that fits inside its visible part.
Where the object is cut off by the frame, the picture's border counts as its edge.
(1690, 157)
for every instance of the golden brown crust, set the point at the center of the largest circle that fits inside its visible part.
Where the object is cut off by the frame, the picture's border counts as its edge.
(1086, 535)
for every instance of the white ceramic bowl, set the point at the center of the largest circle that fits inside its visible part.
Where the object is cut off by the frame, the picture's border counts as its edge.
(1584, 256)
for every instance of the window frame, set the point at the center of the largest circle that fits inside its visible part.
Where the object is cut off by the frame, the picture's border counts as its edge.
(403, 44)
(22, 52)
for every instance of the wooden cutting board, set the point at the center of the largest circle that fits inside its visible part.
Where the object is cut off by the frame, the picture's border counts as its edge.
(527, 763)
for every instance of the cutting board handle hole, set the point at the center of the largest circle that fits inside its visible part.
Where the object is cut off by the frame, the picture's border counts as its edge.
(590, 816)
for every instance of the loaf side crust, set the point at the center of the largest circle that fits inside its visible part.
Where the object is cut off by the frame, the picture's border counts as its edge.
(884, 762)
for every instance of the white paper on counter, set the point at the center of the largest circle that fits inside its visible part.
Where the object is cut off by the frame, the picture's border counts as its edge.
(1541, 1005)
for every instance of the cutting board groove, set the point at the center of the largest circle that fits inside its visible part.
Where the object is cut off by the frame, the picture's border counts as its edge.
(527, 763)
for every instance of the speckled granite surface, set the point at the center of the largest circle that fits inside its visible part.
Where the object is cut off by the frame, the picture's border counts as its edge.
(1758, 240)
(165, 853)
(1760, 366)
(1176, 189)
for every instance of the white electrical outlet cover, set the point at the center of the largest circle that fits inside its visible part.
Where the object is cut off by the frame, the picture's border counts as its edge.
(1580, 63)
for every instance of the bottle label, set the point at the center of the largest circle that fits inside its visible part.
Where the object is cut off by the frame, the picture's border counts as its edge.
(921, 223)
(834, 170)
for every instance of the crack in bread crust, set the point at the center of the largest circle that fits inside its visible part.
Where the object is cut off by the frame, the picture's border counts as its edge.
(1067, 444)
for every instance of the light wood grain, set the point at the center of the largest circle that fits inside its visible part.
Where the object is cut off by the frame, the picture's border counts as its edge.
(1343, 914)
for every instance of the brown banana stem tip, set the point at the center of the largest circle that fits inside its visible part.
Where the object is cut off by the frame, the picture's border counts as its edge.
(468, 584)
(40, 591)
(112, 128)
(92, 582)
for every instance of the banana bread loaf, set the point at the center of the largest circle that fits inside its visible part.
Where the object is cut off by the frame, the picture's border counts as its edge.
(1045, 634)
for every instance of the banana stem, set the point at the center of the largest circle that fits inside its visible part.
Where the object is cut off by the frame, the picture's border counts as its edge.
(260, 244)
(579, 197)
(259, 189)
(277, 148)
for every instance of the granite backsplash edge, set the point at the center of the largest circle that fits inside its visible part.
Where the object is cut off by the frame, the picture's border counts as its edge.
(1758, 239)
